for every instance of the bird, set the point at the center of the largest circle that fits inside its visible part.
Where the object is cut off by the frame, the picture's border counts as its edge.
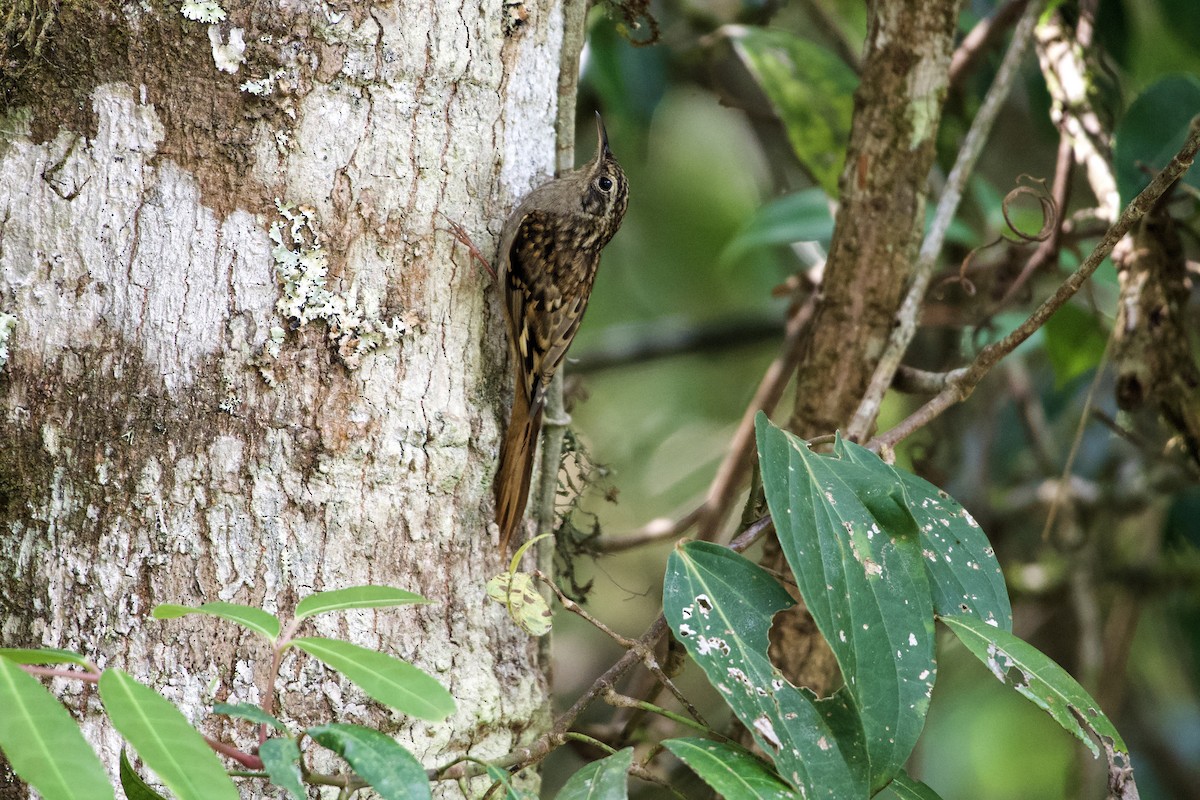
(549, 252)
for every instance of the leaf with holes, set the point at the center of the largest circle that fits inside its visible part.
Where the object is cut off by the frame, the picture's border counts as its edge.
(963, 572)
(1023, 667)
(853, 545)
(720, 607)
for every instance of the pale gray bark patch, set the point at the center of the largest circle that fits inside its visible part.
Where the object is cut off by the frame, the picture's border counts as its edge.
(151, 460)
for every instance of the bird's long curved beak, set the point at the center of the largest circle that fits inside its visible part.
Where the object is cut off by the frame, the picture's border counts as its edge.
(602, 137)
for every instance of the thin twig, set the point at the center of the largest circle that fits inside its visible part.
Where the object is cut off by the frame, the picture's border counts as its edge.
(981, 37)
(962, 382)
(972, 146)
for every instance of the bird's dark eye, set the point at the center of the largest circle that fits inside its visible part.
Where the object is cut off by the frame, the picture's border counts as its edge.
(604, 183)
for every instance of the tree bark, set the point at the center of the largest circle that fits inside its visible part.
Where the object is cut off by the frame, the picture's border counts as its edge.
(879, 223)
(182, 422)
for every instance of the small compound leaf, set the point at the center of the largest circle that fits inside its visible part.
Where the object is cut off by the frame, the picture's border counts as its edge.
(249, 712)
(43, 744)
(255, 619)
(389, 680)
(600, 780)
(164, 739)
(134, 786)
(281, 760)
(1021, 666)
(379, 760)
(518, 593)
(355, 597)
(729, 770)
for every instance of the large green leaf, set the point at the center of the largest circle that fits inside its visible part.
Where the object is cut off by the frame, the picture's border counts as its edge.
(600, 780)
(1023, 667)
(355, 597)
(720, 607)
(255, 619)
(281, 760)
(389, 680)
(853, 545)
(800, 217)
(729, 770)
(812, 91)
(1153, 130)
(164, 739)
(43, 744)
(963, 572)
(379, 760)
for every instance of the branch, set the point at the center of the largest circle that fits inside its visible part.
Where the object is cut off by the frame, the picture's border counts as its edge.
(972, 146)
(981, 38)
(962, 382)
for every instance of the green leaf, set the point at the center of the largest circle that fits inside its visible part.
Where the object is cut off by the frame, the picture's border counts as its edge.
(389, 768)
(43, 655)
(281, 757)
(255, 619)
(43, 744)
(164, 739)
(720, 607)
(729, 770)
(853, 545)
(905, 787)
(517, 593)
(355, 597)
(961, 565)
(1075, 343)
(248, 712)
(800, 217)
(812, 91)
(389, 680)
(135, 788)
(1021, 666)
(1152, 131)
(600, 780)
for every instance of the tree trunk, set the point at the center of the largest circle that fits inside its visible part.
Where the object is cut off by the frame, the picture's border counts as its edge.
(192, 411)
(880, 220)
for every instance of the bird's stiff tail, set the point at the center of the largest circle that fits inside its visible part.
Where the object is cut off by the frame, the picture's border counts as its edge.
(516, 468)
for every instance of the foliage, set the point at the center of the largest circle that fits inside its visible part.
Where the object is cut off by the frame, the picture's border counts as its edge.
(47, 750)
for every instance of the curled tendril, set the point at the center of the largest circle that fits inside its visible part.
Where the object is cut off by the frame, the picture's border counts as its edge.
(1035, 188)
(632, 13)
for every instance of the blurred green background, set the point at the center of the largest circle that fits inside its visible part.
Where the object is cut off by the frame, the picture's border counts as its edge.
(704, 152)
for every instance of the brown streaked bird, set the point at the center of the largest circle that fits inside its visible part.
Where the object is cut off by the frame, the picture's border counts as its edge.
(549, 251)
